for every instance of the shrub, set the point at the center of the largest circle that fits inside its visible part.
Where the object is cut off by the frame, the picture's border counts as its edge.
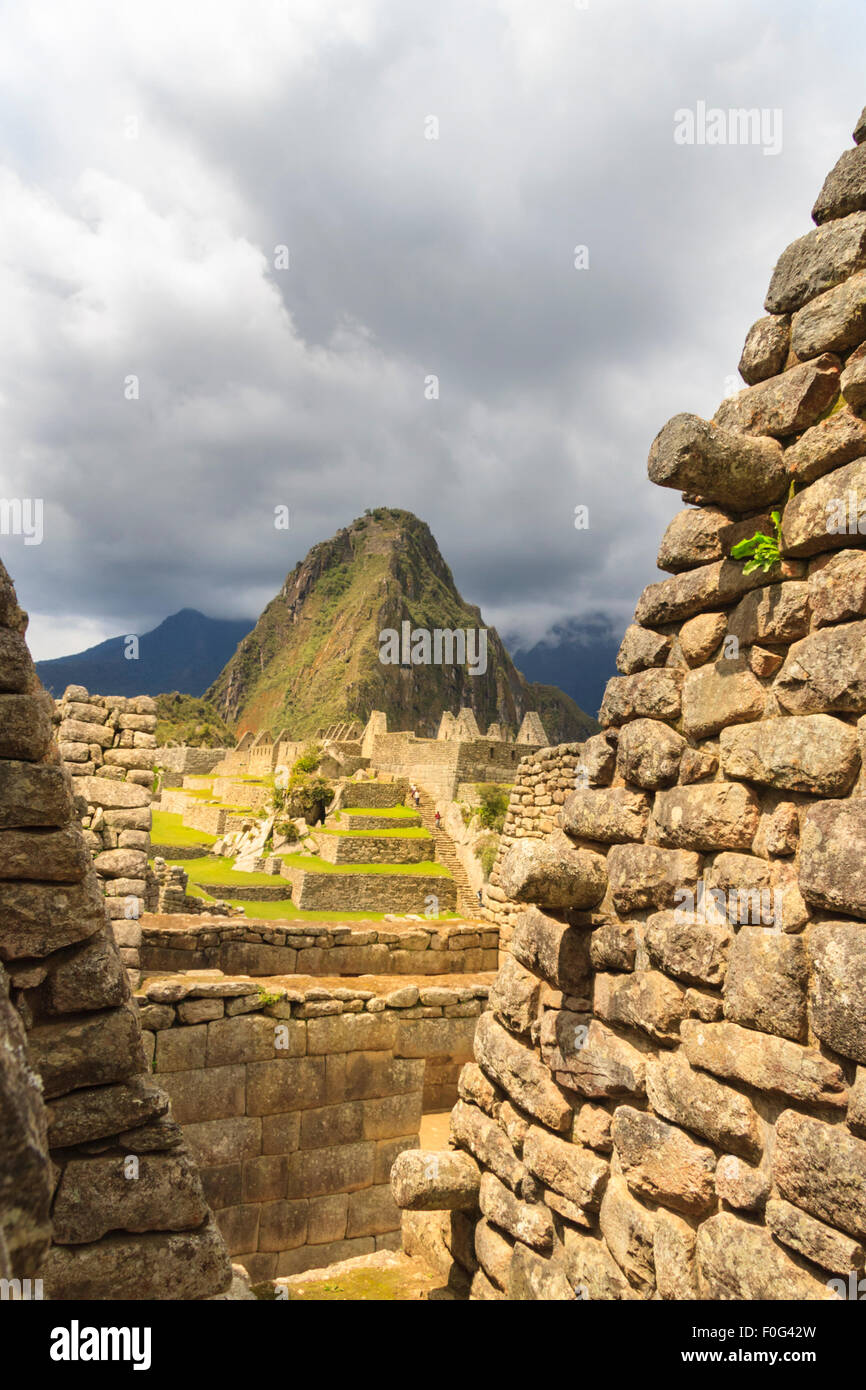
(308, 796)
(485, 851)
(287, 829)
(494, 804)
(309, 759)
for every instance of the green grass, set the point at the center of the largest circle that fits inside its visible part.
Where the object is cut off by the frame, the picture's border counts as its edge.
(215, 869)
(395, 811)
(319, 866)
(284, 911)
(169, 829)
(409, 832)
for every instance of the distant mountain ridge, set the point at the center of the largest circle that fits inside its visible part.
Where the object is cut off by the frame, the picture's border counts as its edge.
(185, 652)
(313, 657)
(578, 656)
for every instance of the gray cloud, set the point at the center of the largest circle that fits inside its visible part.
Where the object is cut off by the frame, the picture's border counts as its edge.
(153, 256)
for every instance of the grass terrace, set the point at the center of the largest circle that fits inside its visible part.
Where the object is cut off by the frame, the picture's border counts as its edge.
(169, 829)
(397, 812)
(319, 866)
(408, 832)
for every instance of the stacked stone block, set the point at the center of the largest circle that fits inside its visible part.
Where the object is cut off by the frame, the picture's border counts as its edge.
(107, 743)
(668, 1094)
(128, 1213)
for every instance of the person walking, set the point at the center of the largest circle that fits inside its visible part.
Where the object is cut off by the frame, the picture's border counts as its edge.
(437, 818)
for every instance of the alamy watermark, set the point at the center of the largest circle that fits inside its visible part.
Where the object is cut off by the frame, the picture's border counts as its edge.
(22, 516)
(419, 646)
(711, 125)
(759, 907)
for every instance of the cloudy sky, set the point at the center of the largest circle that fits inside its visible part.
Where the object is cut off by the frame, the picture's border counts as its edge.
(156, 155)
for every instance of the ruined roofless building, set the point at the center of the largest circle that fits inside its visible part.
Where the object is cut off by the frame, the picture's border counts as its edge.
(668, 1098)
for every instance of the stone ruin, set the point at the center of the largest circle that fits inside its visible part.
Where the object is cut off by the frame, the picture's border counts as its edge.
(668, 1098)
(99, 1197)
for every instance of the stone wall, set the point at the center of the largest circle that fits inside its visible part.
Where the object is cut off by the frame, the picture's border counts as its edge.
(440, 765)
(175, 763)
(107, 743)
(359, 892)
(669, 1093)
(129, 1217)
(295, 1103)
(312, 948)
(345, 848)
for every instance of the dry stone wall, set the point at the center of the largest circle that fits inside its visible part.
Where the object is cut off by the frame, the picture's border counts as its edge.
(128, 1216)
(668, 1098)
(296, 1100)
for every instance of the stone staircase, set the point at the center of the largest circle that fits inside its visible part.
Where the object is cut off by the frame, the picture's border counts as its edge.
(446, 854)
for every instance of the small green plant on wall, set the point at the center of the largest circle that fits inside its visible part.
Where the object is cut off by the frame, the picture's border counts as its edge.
(761, 552)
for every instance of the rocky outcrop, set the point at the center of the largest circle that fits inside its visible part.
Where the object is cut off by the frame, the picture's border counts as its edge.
(84, 1131)
(671, 1080)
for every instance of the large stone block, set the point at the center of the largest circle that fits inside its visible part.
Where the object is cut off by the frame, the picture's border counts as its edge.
(833, 322)
(766, 348)
(709, 460)
(476, 1132)
(592, 1270)
(688, 946)
(59, 856)
(94, 977)
(646, 1000)
(165, 1265)
(535, 1279)
(817, 1242)
(844, 189)
(648, 876)
(350, 1033)
(662, 1163)
(833, 856)
(696, 536)
(103, 791)
(514, 995)
(739, 1261)
(640, 649)
(291, 1083)
(607, 814)
(838, 997)
(770, 1064)
(707, 817)
(101, 1194)
(26, 727)
(213, 1094)
(697, 1102)
(837, 587)
(532, 1225)
(16, 667)
(782, 406)
(628, 1228)
(720, 694)
(700, 590)
(646, 695)
(26, 1178)
(552, 873)
(520, 1073)
(341, 1168)
(816, 262)
(99, 1111)
(283, 1225)
(826, 514)
(766, 983)
(777, 613)
(590, 1058)
(830, 444)
(648, 755)
(372, 1212)
(810, 753)
(822, 1168)
(91, 1051)
(33, 794)
(576, 1172)
(559, 953)
(214, 1143)
(437, 1180)
(825, 672)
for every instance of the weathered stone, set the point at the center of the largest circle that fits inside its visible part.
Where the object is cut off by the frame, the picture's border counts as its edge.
(853, 380)
(121, 863)
(779, 831)
(781, 406)
(559, 953)
(98, 1195)
(860, 128)
(25, 1171)
(592, 1270)
(33, 794)
(737, 1260)
(769, 1063)
(648, 755)
(77, 731)
(837, 587)
(833, 322)
(598, 759)
(589, 1058)
(696, 536)
(26, 727)
(646, 695)
(776, 613)
(701, 635)
(16, 667)
(830, 444)
(641, 648)
(493, 1253)
(514, 995)
(708, 459)
(39, 918)
(472, 1085)
(688, 947)
(592, 1128)
(610, 815)
(577, 1173)
(819, 1243)
(629, 1229)
(694, 1100)
(649, 876)
(646, 1000)
(674, 1257)
(741, 1186)
(700, 590)
(532, 1225)
(720, 815)
(476, 1132)
(168, 1265)
(816, 262)
(766, 348)
(838, 996)
(53, 855)
(832, 862)
(662, 1163)
(844, 189)
(720, 694)
(822, 1168)
(99, 1111)
(826, 515)
(92, 978)
(532, 1278)
(612, 946)
(103, 791)
(857, 1104)
(766, 983)
(92, 1051)
(764, 663)
(520, 1073)
(552, 873)
(810, 753)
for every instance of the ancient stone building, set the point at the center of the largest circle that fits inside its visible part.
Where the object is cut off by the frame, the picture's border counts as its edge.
(669, 1093)
(90, 1157)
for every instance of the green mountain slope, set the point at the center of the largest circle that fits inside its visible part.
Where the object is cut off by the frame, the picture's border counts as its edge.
(313, 657)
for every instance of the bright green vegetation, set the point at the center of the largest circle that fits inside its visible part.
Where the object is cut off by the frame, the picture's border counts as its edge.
(395, 811)
(485, 851)
(369, 1285)
(169, 829)
(765, 551)
(285, 911)
(185, 719)
(409, 832)
(218, 870)
(494, 804)
(316, 865)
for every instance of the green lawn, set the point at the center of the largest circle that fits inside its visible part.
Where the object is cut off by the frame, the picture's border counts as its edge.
(216, 869)
(286, 911)
(169, 829)
(408, 832)
(395, 811)
(319, 866)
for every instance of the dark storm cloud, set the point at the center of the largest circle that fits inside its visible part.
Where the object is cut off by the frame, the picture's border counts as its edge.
(153, 256)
